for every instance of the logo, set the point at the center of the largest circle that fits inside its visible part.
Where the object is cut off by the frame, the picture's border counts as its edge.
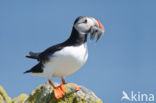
(137, 96)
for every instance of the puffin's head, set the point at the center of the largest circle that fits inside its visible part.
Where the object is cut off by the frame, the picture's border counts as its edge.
(89, 25)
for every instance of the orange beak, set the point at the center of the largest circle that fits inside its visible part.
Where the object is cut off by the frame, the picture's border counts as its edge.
(100, 25)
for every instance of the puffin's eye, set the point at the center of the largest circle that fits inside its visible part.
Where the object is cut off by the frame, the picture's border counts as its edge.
(85, 21)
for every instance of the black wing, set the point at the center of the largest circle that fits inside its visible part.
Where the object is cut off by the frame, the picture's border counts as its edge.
(44, 56)
(36, 69)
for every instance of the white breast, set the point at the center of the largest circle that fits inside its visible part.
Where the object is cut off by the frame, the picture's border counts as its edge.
(66, 61)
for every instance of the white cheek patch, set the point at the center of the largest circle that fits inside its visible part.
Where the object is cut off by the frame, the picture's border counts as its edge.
(83, 27)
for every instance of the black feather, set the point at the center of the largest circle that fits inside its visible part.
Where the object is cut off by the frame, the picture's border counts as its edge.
(36, 69)
(33, 55)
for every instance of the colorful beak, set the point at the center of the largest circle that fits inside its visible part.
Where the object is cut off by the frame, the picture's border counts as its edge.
(100, 25)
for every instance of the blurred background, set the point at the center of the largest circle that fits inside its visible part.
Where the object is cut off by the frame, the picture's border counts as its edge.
(123, 59)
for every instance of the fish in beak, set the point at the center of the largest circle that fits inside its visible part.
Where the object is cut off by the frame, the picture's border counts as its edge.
(96, 29)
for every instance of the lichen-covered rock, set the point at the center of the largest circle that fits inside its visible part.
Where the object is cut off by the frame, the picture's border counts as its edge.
(44, 94)
(20, 99)
(4, 98)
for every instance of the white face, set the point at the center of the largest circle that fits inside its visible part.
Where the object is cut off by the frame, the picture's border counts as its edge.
(84, 24)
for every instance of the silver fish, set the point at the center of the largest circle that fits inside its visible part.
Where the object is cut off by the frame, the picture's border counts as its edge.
(98, 37)
(92, 36)
(96, 31)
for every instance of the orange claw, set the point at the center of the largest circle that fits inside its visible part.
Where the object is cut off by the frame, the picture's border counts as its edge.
(59, 91)
(77, 87)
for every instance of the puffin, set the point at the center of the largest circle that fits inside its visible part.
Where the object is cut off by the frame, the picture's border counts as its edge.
(65, 58)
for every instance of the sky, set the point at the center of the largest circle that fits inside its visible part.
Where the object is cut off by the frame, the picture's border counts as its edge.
(124, 59)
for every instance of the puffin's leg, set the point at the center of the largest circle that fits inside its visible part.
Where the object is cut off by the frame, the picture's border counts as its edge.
(51, 83)
(63, 80)
(76, 86)
(59, 91)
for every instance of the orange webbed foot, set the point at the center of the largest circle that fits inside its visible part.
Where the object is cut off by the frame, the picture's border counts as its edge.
(77, 87)
(59, 91)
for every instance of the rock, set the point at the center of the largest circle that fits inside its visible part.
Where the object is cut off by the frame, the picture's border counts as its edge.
(4, 98)
(44, 94)
(20, 99)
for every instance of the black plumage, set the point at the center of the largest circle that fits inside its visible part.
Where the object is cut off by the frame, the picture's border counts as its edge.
(36, 69)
